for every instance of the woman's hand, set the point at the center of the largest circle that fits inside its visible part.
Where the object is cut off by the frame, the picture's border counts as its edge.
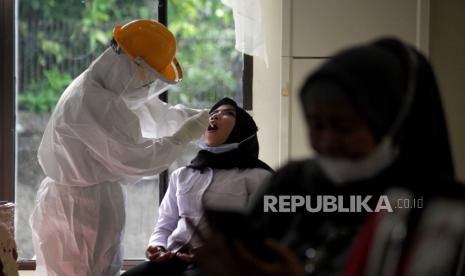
(186, 257)
(158, 254)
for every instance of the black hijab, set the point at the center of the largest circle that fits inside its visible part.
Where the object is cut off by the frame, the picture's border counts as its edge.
(375, 78)
(245, 156)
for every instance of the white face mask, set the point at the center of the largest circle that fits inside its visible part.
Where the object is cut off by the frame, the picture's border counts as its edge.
(219, 149)
(139, 91)
(139, 96)
(343, 170)
(225, 147)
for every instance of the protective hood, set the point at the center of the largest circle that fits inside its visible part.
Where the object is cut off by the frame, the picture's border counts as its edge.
(133, 81)
(93, 135)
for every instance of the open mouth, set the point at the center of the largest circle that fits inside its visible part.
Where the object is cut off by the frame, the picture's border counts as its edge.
(212, 127)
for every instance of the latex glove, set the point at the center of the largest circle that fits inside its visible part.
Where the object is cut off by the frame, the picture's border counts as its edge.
(193, 128)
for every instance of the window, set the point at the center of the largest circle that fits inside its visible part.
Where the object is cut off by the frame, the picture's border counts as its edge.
(212, 67)
(56, 41)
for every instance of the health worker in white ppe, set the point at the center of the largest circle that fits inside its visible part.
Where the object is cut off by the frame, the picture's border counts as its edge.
(108, 129)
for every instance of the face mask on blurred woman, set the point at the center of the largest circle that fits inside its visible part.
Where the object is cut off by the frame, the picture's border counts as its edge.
(343, 170)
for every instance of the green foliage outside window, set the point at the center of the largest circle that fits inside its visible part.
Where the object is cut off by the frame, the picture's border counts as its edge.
(42, 96)
(59, 39)
(212, 66)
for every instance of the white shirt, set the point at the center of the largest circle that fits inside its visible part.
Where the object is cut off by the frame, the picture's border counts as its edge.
(189, 191)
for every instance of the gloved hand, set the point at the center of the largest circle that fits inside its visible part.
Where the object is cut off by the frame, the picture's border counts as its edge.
(193, 128)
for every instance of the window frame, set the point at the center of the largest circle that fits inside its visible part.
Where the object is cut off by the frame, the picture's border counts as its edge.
(163, 178)
(8, 100)
(8, 109)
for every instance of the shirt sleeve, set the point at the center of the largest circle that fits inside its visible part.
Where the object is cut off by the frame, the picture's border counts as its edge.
(113, 136)
(168, 216)
(256, 179)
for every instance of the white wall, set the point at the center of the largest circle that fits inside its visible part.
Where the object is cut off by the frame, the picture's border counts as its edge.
(267, 86)
(300, 35)
(297, 32)
(321, 27)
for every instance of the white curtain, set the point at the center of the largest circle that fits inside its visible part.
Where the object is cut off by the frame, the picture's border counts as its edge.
(249, 27)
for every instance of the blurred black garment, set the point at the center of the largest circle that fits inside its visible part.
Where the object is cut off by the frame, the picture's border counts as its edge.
(376, 78)
(325, 239)
(171, 267)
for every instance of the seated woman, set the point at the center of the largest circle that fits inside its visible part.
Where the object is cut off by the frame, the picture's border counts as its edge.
(375, 121)
(224, 174)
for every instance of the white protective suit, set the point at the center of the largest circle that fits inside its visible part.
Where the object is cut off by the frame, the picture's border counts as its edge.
(92, 145)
